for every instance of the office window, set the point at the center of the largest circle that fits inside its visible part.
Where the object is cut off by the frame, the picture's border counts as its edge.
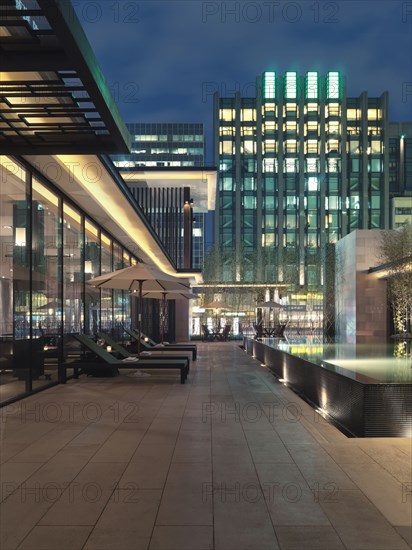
(375, 165)
(291, 85)
(312, 85)
(291, 165)
(269, 85)
(312, 165)
(333, 85)
(313, 183)
(312, 146)
(248, 115)
(227, 115)
(376, 146)
(248, 147)
(269, 146)
(227, 147)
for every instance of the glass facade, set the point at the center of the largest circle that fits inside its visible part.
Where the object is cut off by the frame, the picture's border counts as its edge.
(164, 144)
(167, 145)
(300, 165)
(49, 249)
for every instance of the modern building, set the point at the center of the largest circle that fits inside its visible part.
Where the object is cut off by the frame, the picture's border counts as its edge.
(164, 145)
(300, 165)
(167, 146)
(66, 215)
(400, 172)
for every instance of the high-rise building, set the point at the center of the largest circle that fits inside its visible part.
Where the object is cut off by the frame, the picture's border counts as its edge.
(300, 165)
(160, 146)
(400, 172)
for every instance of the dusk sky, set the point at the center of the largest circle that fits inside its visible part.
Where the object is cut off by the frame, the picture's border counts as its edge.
(163, 59)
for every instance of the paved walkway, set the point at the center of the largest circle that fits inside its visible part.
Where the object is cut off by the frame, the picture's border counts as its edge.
(233, 460)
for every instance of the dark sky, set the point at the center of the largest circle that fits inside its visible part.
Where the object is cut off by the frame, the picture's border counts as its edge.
(164, 58)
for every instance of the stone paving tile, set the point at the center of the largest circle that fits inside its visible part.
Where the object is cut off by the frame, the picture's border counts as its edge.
(182, 538)
(392, 459)
(13, 474)
(232, 460)
(392, 498)
(308, 537)
(50, 538)
(360, 525)
(289, 498)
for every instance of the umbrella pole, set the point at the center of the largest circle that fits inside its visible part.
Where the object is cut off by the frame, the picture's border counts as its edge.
(163, 319)
(139, 318)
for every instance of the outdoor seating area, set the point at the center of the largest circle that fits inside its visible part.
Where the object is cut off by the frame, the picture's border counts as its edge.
(220, 334)
(149, 345)
(101, 362)
(268, 331)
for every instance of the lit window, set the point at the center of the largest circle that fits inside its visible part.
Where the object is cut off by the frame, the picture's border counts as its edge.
(269, 146)
(374, 114)
(311, 85)
(291, 165)
(376, 147)
(248, 115)
(291, 146)
(269, 85)
(226, 147)
(332, 146)
(248, 148)
(312, 146)
(226, 130)
(332, 109)
(312, 183)
(312, 165)
(269, 126)
(353, 114)
(333, 85)
(333, 128)
(248, 130)
(227, 114)
(312, 126)
(311, 107)
(291, 85)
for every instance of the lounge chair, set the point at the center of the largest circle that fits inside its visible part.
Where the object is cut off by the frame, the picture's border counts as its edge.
(112, 363)
(155, 354)
(150, 345)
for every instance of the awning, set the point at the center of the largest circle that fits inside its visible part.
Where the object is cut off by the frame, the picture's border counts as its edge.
(53, 96)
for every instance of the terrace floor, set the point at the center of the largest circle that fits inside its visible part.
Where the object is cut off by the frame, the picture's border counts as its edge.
(233, 460)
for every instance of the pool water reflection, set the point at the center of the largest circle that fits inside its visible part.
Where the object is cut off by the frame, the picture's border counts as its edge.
(385, 363)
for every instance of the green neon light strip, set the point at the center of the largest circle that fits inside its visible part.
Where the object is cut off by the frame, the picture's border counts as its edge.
(333, 88)
(291, 85)
(312, 85)
(269, 85)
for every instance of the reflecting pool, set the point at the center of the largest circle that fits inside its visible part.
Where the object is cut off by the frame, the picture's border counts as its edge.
(385, 363)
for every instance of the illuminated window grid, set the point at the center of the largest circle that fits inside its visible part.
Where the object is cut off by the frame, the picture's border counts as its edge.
(312, 85)
(333, 88)
(269, 85)
(291, 85)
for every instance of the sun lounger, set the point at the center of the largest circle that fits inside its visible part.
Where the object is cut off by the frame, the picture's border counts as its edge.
(113, 363)
(151, 345)
(154, 355)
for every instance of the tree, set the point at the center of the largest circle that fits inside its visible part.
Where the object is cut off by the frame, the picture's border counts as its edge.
(396, 254)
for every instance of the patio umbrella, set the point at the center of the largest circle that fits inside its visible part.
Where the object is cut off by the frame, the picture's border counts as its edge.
(216, 305)
(271, 304)
(140, 277)
(170, 295)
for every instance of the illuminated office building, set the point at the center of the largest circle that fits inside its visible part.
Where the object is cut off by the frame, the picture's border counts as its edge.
(300, 165)
(165, 146)
(400, 172)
